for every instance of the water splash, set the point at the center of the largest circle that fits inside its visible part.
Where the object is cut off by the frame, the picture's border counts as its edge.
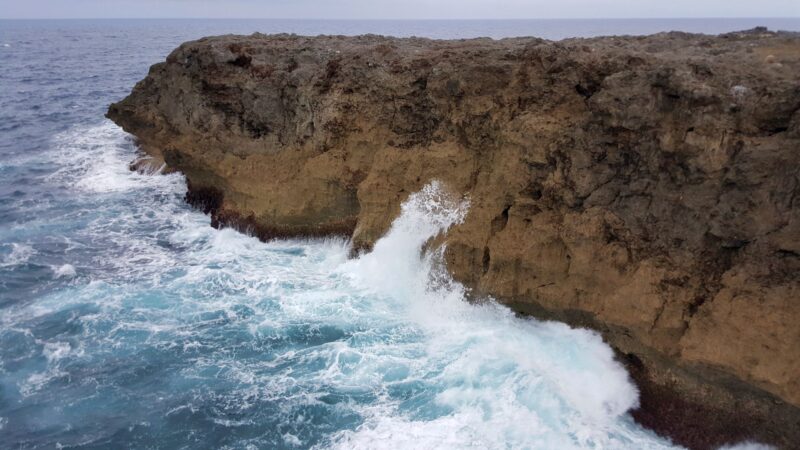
(172, 328)
(498, 381)
(395, 264)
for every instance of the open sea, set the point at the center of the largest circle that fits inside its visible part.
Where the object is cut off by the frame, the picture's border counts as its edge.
(126, 321)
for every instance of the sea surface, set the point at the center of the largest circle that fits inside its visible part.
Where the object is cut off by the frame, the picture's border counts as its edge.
(126, 321)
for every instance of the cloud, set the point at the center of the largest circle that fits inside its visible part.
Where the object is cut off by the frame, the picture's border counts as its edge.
(398, 9)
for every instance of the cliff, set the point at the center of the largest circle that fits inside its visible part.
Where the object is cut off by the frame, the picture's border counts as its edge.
(646, 187)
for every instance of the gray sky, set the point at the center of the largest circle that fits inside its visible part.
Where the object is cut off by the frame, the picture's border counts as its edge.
(397, 9)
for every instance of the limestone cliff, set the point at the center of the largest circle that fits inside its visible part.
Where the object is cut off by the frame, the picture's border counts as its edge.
(647, 187)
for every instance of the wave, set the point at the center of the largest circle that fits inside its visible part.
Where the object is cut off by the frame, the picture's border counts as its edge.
(96, 159)
(500, 381)
(288, 343)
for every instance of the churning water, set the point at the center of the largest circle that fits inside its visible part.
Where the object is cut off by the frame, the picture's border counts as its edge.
(126, 321)
(173, 333)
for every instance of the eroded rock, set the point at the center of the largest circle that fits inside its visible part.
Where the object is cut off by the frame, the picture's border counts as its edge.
(647, 187)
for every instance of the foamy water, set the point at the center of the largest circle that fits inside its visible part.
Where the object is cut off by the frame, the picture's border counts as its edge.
(180, 333)
(126, 321)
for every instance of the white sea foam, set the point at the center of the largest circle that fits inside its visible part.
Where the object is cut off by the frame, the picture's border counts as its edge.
(292, 440)
(64, 271)
(54, 351)
(395, 265)
(99, 158)
(20, 254)
(503, 381)
(390, 326)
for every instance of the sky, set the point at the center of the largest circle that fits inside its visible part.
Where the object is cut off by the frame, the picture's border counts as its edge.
(397, 9)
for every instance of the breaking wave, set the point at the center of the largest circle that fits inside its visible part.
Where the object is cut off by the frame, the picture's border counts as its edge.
(172, 333)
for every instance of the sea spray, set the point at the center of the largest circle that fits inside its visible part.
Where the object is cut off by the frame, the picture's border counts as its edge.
(396, 264)
(499, 381)
(174, 328)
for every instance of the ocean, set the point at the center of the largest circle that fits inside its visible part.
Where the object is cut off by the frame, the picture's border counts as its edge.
(126, 321)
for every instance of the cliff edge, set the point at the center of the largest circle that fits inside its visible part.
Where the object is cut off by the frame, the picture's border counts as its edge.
(645, 187)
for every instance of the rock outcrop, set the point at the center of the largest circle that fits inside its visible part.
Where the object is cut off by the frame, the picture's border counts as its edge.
(646, 187)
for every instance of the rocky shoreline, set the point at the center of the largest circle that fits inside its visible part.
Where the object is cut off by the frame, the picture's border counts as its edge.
(644, 187)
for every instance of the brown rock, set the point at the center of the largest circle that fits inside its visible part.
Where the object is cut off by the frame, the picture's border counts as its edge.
(646, 187)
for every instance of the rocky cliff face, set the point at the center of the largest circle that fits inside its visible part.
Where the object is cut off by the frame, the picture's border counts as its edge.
(647, 187)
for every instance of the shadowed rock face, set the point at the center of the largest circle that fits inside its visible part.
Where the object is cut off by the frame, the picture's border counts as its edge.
(646, 187)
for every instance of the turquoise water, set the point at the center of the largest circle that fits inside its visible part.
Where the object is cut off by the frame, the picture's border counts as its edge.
(156, 330)
(126, 321)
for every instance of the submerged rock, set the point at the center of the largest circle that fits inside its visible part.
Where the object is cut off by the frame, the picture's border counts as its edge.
(645, 187)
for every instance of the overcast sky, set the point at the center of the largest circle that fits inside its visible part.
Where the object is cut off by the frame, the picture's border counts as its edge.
(397, 9)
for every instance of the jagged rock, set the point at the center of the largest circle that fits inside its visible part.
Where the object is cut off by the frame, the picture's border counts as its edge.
(646, 187)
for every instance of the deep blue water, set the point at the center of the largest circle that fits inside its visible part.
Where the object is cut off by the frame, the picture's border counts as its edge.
(126, 321)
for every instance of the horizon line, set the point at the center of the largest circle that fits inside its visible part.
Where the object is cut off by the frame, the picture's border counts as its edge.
(341, 19)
